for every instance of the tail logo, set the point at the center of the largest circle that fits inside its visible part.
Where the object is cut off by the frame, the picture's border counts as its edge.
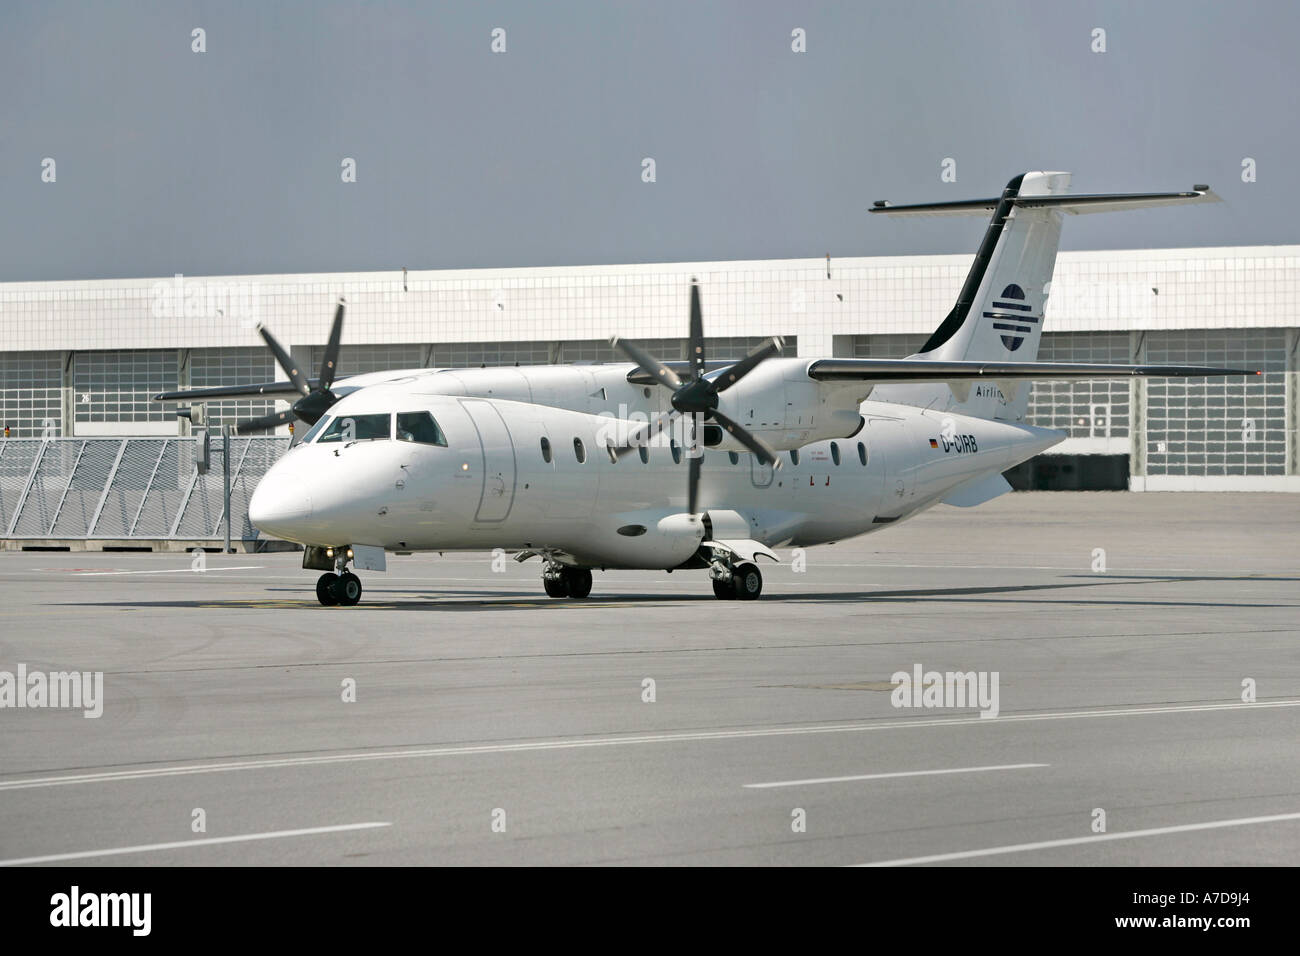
(1012, 317)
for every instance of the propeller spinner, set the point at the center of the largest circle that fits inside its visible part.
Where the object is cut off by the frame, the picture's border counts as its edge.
(697, 396)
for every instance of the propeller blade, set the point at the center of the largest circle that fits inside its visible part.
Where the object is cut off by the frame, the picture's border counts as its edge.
(295, 375)
(265, 423)
(751, 441)
(329, 365)
(696, 344)
(693, 480)
(646, 433)
(662, 373)
(746, 365)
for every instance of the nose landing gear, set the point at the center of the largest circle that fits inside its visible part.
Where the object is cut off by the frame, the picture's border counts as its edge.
(344, 589)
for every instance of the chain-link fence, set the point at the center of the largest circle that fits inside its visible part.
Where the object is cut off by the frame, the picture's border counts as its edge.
(68, 489)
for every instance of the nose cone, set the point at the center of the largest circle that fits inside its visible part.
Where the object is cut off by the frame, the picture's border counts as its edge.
(281, 504)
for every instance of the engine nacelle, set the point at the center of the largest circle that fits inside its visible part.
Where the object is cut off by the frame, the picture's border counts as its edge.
(779, 403)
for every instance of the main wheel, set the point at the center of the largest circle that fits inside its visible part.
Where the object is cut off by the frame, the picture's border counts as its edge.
(325, 589)
(347, 589)
(557, 586)
(724, 590)
(748, 582)
(579, 582)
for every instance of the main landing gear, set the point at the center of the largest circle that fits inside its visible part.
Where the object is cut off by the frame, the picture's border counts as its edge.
(740, 582)
(561, 581)
(344, 589)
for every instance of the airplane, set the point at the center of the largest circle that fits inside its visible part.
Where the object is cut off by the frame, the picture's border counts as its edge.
(671, 466)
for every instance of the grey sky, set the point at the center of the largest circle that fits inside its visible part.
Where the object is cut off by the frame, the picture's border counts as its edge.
(229, 161)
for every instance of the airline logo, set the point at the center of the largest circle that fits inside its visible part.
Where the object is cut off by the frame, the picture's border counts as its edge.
(1012, 317)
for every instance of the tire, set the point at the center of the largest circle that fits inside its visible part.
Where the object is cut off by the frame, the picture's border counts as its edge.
(578, 581)
(724, 590)
(325, 589)
(747, 581)
(556, 587)
(347, 589)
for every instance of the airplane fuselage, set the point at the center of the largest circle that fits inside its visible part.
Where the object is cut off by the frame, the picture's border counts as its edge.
(523, 476)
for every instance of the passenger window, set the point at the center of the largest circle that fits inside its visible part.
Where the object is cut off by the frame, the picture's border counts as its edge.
(735, 459)
(579, 452)
(677, 452)
(644, 452)
(862, 454)
(349, 428)
(794, 456)
(835, 452)
(546, 449)
(419, 427)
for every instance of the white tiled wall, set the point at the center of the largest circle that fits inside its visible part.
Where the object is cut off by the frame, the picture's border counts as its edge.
(1093, 291)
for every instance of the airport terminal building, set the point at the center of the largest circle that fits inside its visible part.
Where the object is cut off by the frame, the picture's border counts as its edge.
(81, 359)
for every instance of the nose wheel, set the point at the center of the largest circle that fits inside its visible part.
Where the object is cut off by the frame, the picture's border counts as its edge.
(344, 589)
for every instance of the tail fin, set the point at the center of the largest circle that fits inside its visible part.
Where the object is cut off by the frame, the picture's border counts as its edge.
(998, 315)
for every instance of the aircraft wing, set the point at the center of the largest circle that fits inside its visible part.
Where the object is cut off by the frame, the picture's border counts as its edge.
(344, 385)
(231, 391)
(921, 370)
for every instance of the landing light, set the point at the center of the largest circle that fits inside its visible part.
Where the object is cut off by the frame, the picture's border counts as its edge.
(349, 552)
(329, 552)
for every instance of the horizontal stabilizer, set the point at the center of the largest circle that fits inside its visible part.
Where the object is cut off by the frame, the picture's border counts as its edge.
(1075, 205)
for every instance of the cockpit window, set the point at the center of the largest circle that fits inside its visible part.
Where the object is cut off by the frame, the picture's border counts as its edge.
(315, 429)
(347, 428)
(419, 427)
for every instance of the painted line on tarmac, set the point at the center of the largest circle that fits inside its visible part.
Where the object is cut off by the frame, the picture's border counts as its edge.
(579, 743)
(182, 844)
(213, 569)
(890, 776)
(1080, 841)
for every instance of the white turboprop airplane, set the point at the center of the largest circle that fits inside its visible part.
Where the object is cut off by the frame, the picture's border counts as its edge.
(669, 466)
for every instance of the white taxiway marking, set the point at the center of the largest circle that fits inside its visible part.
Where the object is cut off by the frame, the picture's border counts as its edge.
(179, 844)
(1079, 841)
(577, 743)
(887, 776)
(239, 567)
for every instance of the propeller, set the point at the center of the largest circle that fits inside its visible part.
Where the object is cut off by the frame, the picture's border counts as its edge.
(697, 396)
(313, 397)
(315, 400)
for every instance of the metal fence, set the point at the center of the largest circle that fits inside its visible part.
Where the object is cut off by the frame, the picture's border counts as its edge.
(127, 488)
